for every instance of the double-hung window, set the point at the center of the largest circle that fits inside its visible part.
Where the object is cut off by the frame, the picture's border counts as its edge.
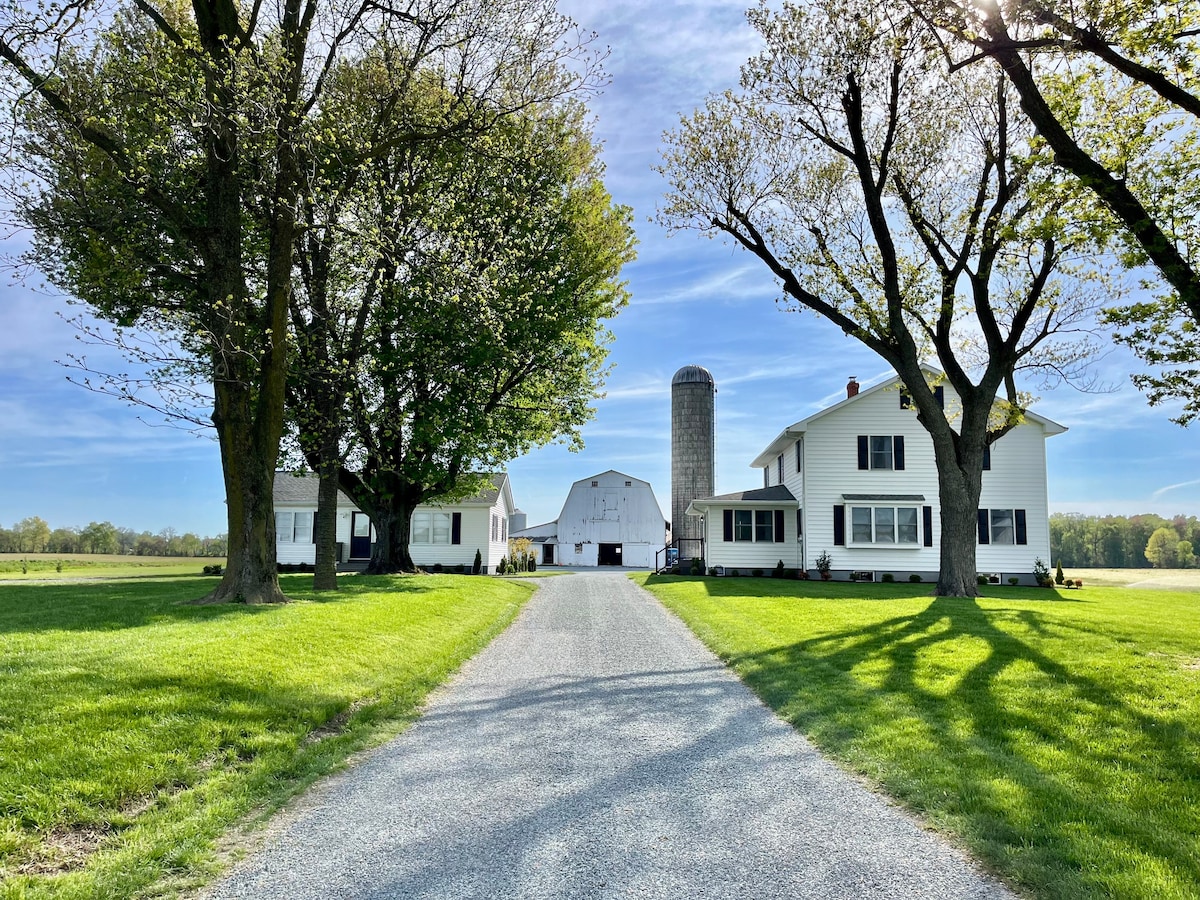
(1003, 526)
(743, 525)
(431, 528)
(883, 525)
(881, 451)
(757, 525)
(294, 527)
(764, 525)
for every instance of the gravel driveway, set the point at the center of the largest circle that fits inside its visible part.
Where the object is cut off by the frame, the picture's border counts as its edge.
(597, 749)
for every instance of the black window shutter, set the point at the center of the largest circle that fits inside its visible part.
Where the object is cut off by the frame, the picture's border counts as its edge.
(799, 459)
(839, 526)
(864, 461)
(727, 522)
(987, 457)
(939, 394)
(456, 528)
(905, 400)
(898, 452)
(779, 526)
(984, 537)
(799, 522)
(927, 521)
(1022, 531)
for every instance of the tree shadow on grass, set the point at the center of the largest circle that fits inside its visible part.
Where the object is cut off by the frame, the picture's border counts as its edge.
(1050, 770)
(133, 603)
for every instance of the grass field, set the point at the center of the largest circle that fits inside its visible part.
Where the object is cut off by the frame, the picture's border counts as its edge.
(53, 566)
(136, 730)
(1056, 735)
(1171, 579)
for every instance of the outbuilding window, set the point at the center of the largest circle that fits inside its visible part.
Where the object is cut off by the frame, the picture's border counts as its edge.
(436, 528)
(294, 527)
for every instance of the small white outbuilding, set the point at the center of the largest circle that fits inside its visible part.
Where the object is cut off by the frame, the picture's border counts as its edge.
(610, 519)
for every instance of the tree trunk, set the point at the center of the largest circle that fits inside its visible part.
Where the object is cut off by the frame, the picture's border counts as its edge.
(957, 575)
(248, 463)
(325, 575)
(393, 525)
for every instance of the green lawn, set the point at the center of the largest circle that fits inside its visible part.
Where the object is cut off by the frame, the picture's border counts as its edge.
(1056, 735)
(136, 729)
(68, 566)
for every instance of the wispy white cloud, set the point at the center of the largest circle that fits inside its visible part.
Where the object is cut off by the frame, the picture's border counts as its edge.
(1161, 492)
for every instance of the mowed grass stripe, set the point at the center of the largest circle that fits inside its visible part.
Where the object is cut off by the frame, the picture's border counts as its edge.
(1056, 735)
(135, 729)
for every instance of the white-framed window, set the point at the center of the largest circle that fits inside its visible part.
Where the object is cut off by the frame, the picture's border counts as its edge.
(495, 528)
(884, 525)
(1003, 530)
(294, 527)
(431, 528)
(743, 525)
(764, 525)
(881, 451)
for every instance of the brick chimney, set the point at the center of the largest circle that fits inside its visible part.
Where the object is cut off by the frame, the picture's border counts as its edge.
(852, 387)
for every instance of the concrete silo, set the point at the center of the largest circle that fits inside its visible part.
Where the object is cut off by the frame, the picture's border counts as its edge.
(693, 440)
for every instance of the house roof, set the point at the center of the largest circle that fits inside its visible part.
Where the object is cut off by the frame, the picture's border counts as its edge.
(795, 430)
(777, 494)
(302, 488)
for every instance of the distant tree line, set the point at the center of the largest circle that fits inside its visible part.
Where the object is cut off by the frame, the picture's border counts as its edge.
(34, 535)
(1121, 542)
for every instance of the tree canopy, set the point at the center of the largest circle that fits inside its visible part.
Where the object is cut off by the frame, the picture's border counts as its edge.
(1114, 93)
(903, 204)
(165, 149)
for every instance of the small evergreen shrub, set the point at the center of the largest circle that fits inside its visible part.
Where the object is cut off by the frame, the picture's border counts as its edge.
(532, 564)
(437, 568)
(478, 565)
(697, 566)
(779, 570)
(1058, 574)
(757, 573)
(1041, 574)
(888, 578)
(460, 569)
(981, 579)
(1014, 581)
(734, 572)
(212, 570)
(712, 570)
(502, 566)
(914, 578)
(58, 566)
(824, 565)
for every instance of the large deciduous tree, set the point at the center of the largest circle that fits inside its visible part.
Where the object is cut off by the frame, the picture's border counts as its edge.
(168, 146)
(475, 326)
(901, 204)
(1114, 91)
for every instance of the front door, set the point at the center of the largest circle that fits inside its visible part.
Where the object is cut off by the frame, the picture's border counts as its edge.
(360, 536)
(548, 554)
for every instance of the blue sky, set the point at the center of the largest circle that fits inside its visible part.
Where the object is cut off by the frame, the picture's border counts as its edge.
(72, 457)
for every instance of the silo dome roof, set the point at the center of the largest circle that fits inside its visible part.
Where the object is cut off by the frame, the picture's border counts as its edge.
(692, 375)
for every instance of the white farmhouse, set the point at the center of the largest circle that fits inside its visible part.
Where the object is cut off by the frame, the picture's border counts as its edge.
(858, 481)
(610, 519)
(448, 534)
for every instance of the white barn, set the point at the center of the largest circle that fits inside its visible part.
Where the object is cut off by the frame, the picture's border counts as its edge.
(448, 534)
(610, 519)
(858, 481)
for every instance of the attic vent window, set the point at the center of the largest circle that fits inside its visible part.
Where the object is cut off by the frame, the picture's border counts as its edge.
(629, 484)
(595, 484)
